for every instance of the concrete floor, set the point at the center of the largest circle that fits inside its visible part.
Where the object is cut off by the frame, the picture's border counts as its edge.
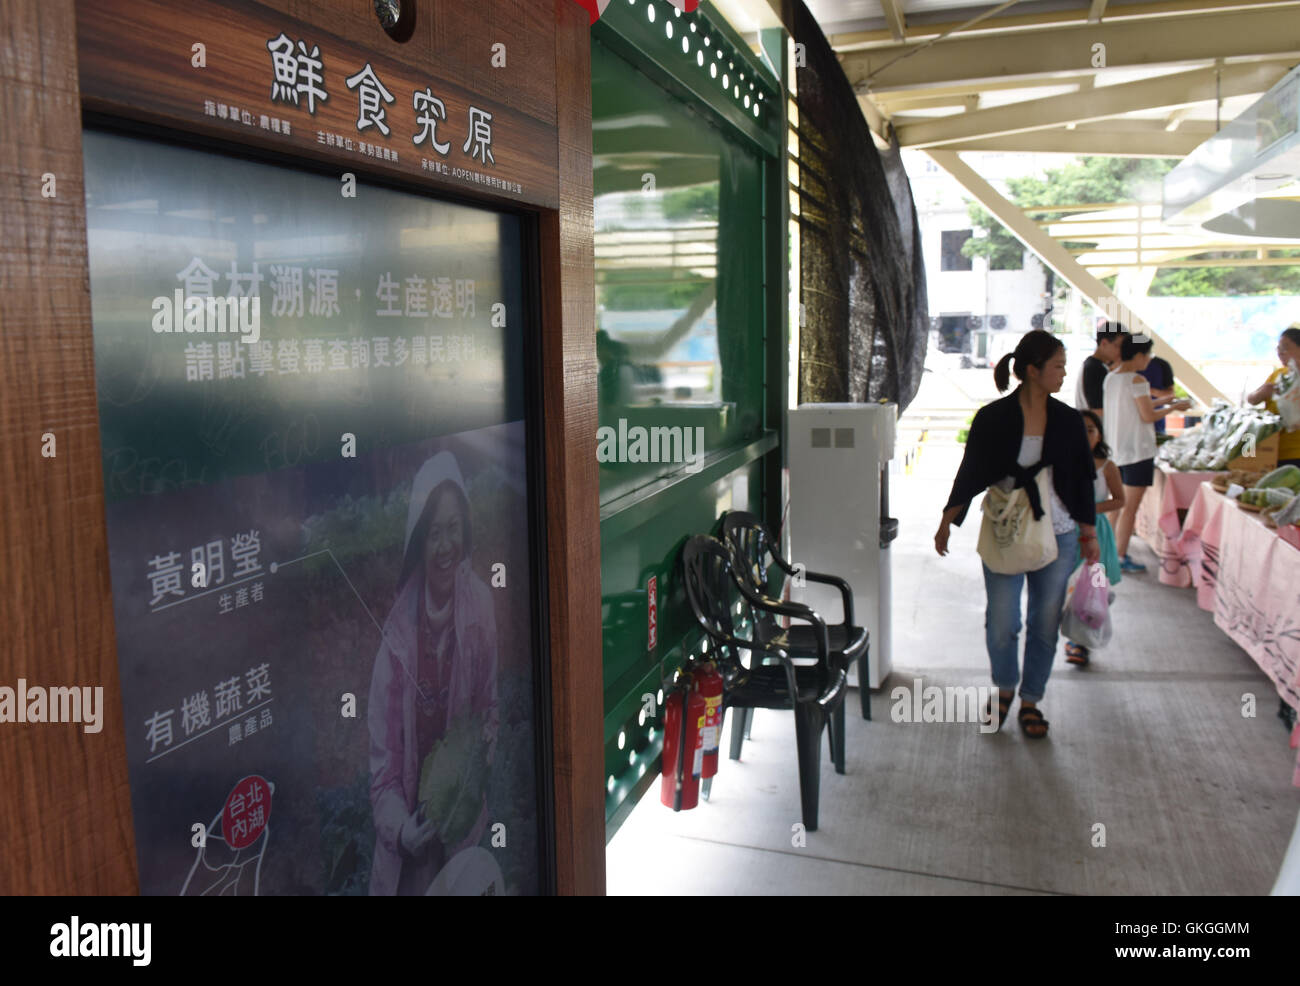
(1148, 742)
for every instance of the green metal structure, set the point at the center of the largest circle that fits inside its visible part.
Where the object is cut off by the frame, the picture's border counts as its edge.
(691, 215)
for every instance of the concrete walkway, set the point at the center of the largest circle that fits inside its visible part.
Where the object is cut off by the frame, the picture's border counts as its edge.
(1149, 743)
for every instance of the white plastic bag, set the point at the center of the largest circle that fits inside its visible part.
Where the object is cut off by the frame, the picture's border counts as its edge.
(1075, 629)
(1090, 596)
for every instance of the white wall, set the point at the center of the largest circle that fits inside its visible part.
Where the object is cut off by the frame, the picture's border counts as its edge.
(941, 205)
(1016, 294)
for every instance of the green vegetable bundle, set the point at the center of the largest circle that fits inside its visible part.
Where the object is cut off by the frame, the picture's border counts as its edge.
(1272, 497)
(1226, 433)
(1283, 477)
(454, 778)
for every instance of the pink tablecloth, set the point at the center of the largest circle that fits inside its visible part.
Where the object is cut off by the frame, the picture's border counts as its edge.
(1249, 578)
(1158, 522)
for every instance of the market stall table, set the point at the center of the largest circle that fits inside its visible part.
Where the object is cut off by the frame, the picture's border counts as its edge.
(1159, 520)
(1249, 578)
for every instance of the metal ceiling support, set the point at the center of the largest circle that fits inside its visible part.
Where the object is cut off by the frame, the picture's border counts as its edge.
(1096, 143)
(1216, 262)
(1156, 252)
(1059, 260)
(889, 97)
(908, 103)
(893, 10)
(1096, 11)
(923, 26)
(908, 52)
(1180, 89)
(1271, 32)
(1084, 206)
(1135, 282)
(879, 126)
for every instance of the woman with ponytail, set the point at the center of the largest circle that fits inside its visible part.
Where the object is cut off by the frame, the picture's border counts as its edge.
(1010, 441)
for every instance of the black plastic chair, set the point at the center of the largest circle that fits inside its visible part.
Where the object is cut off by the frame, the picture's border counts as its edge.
(812, 689)
(753, 544)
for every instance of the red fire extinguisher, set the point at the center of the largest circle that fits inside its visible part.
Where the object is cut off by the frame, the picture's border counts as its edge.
(708, 684)
(680, 786)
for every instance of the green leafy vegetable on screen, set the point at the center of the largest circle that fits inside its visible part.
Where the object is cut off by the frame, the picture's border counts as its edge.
(454, 777)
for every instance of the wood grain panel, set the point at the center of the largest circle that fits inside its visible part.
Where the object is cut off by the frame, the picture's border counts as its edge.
(458, 38)
(465, 33)
(569, 296)
(136, 60)
(65, 812)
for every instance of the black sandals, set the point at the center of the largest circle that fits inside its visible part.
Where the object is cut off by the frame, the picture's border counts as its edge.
(1032, 723)
(1004, 707)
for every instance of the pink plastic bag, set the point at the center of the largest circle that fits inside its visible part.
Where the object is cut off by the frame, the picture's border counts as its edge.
(1090, 596)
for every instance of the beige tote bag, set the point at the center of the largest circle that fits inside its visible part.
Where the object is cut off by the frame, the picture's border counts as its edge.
(1011, 541)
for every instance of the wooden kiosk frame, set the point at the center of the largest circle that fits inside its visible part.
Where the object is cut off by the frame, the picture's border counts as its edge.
(65, 816)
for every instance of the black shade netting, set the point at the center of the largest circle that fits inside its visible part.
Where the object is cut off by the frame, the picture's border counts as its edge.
(864, 317)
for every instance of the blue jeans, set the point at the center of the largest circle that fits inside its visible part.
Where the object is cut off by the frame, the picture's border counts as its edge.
(1002, 620)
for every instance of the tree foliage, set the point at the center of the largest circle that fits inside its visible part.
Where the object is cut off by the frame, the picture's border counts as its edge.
(692, 203)
(1183, 282)
(1114, 179)
(659, 287)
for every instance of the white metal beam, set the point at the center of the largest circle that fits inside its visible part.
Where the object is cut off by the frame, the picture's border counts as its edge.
(1097, 143)
(891, 96)
(1095, 11)
(893, 10)
(876, 122)
(908, 103)
(1271, 32)
(924, 27)
(1135, 282)
(1182, 88)
(1058, 259)
(1106, 271)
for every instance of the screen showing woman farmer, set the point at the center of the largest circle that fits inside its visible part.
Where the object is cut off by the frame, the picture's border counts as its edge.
(315, 444)
(433, 697)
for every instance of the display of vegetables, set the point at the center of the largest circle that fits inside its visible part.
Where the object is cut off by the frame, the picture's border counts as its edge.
(1283, 477)
(1276, 492)
(454, 777)
(1267, 498)
(1226, 433)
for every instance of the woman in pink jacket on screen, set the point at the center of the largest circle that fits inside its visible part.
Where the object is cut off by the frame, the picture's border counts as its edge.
(438, 658)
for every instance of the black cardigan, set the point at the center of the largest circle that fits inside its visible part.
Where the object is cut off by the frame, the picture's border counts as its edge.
(993, 448)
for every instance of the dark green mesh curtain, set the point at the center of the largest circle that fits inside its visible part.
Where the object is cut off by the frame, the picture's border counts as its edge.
(863, 280)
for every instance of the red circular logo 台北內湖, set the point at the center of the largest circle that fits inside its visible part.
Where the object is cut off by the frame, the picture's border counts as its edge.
(247, 810)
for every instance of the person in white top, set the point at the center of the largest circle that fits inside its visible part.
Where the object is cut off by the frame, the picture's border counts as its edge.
(1130, 415)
